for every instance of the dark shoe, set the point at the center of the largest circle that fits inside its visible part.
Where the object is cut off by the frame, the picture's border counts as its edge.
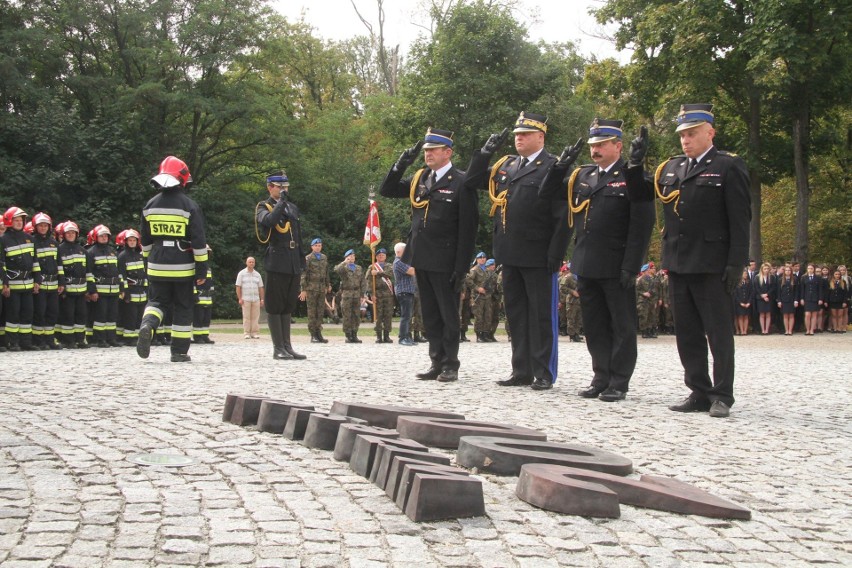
(14, 348)
(576, 338)
(54, 346)
(419, 338)
(281, 354)
(379, 337)
(612, 395)
(480, 338)
(429, 375)
(689, 404)
(143, 344)
(541, 384)
(102, 345)
(591, 392)
(321, 338)
(489, 337)
(181, 358)
(406, 341)
(114, 343)
(208, 341)
(463, 338)
(719, 409)
(84, 345)
(315, 339)
(386, 337)
(448, 376)
(515, 382)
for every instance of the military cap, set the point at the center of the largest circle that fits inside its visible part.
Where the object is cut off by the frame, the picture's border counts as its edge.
(530, 122)
(381, 251)
(489, 262)
(692, 115)
(603, 129)
(644, 268)
(480, 254)
(279, 176)
(438, 138)
(316, 241)
(347, 253)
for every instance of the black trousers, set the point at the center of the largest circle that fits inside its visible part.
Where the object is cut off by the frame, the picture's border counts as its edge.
(106, 316)
(45, 313)
(439, 305)
(703, 316)
(609, 322)
(282, 293)
(73, 315)
(178, 298)
(18, 308)
(530, 296)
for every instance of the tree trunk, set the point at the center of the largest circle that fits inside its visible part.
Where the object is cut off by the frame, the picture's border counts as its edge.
(754, 146)
(801, 142)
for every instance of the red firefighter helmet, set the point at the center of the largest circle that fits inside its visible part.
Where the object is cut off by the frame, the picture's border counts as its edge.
(69, 226)
(91, 237)
(11, 213)
(132, 233)
(119, 238)
(173, 173)
(59, 230)
(28, 228)
(42, 217)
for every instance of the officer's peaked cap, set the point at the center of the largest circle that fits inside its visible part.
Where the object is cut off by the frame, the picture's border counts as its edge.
(603, 129)
(692, 115)
(438, 138)
(530, 122)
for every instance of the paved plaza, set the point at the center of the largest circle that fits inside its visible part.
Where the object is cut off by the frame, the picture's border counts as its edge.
(70, 420)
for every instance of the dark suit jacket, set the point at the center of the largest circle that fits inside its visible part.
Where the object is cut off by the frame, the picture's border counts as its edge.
(613, 233)
(710, 229)
(536, 229)
(442, 237)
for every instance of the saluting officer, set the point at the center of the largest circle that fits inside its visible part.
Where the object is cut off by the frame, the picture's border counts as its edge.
(611, 236)
(284, 261)
(443, 230)
(530, 239)
(314, 284)
(707, 207)
(352, 291)
(384, 294)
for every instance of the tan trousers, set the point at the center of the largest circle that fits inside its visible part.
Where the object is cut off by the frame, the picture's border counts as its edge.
(251, 318)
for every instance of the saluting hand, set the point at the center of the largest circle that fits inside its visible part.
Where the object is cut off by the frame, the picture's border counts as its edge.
(408, 156)
(639, 147)
(495, 141)
(569, 154)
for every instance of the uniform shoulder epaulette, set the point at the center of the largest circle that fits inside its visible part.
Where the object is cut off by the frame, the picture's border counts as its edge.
(678, 157)
(726, 153)
(589, 166)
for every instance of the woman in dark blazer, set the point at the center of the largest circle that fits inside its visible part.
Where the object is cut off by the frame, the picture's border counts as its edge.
(838, 301)
(743, 300)
(764, 296)
(788, 298)
(811, 295)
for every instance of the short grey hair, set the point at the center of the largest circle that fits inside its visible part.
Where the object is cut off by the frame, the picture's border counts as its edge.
(398, 247)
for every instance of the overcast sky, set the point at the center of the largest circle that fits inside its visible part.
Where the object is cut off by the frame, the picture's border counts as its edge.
(549, 20)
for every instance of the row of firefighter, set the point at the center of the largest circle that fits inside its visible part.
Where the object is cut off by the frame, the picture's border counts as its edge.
(58, 292)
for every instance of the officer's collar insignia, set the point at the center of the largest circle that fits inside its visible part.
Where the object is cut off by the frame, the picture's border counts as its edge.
(449, 177)
(594, 173)
(615, 173)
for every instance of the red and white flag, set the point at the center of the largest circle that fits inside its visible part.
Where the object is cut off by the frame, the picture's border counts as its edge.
(373, 231)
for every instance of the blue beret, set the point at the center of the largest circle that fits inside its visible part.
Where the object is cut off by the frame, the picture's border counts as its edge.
(644, 268)
(489, 262)
(347, 253)
(480, 254)
(316, 241)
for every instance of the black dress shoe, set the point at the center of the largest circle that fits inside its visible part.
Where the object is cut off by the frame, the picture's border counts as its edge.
(591, 392)
(515, 382)
(719, 409)
(429, 375)
(541, 384)
(181, 358)
(689, 404)
(448, 376)
(612, 395)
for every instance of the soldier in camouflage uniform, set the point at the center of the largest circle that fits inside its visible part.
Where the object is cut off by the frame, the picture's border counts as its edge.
(417, 321)
(494, 284)
(352, 292)
(313, 287)
(480, 301)
(664, 320)
(465, 312)
(573, 319)
(647, 295)
(383, 297)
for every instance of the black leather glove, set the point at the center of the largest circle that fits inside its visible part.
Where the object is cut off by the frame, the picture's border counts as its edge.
(627, 280)
(731, 278)
(495, 141)
(457, 281)
(569, 155)
(408, 156)
(554, 264)
(639, 147)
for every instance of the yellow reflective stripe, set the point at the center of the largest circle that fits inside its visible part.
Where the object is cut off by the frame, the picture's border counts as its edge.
(171, 273)
(200, 257)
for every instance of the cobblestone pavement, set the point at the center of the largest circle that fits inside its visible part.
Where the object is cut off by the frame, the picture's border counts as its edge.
(70, 497)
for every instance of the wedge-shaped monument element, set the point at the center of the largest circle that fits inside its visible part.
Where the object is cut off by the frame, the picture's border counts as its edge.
(297, 422)
(245, 409)
(364, 452)
(385, 416)
(501, 456)
(384, 458)
(435, 496)
(321, 431)
(398, 486)
(446, 432)
(595, 494)
(230, 401)
(274, 414)
(346, 438)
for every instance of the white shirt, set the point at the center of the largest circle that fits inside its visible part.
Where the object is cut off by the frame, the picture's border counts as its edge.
(250, 284)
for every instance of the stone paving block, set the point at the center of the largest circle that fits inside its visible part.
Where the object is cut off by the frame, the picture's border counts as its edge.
(364, 451)
(404, 468)
(436, 496)
(446, 432)
(385, 416)
(230, 401)
(297, 423)
(274, 413)
(346, 438)
(570, 490)
(321, 431)
(501, 456)
(384, 460)
(245, 410)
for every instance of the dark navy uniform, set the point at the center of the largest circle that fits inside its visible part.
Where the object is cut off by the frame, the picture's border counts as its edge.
(106, 283)
(611, 236)
(444, 218)
(46, 302)
(134, 294)
(73, 308)
(21, 272)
